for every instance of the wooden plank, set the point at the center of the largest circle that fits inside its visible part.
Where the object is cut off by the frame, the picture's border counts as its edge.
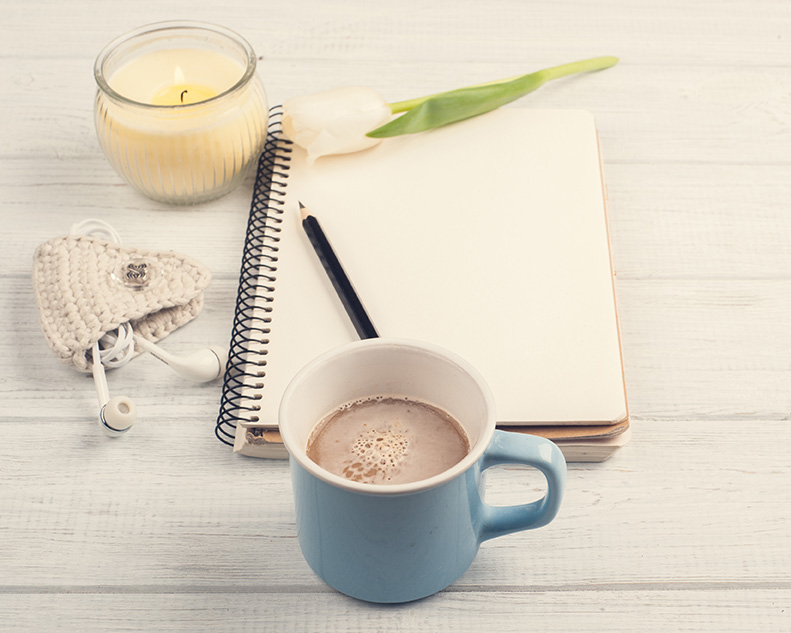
(658, 31)
(683, 222)
(706, 350)
(595, 609)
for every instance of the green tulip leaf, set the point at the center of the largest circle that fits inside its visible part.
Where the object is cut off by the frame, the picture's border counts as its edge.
(434, 111)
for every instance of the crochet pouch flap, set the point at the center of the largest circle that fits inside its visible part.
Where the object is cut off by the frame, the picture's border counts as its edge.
(86, 286)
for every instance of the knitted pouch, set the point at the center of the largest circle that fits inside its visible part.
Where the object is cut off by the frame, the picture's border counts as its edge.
(86, 286)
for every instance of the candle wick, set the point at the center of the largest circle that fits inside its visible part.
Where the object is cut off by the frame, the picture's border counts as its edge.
(183, 92)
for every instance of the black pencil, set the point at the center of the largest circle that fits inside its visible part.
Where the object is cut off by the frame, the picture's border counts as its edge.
(340, 281)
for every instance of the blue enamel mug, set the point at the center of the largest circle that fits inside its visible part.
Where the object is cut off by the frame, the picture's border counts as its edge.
(391, 543)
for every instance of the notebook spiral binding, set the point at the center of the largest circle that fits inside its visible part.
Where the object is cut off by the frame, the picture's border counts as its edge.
(249, 335)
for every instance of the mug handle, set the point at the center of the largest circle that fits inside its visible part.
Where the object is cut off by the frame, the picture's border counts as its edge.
(531, 450)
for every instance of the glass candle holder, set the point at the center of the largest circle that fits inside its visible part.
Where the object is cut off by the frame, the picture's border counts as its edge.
(180, 112)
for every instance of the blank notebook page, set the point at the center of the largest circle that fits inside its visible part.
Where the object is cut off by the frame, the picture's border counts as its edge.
(487, 237)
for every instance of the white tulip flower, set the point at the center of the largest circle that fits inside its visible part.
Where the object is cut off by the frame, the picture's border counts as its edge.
(335, 121)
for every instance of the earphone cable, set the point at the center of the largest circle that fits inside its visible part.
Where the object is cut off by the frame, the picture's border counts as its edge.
(116, 347)
(119, 346)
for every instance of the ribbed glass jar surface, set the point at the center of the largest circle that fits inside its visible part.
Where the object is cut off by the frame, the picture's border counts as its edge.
(180, 112)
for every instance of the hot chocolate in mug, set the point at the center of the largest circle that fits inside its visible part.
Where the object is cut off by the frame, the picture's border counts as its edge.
(400, 542)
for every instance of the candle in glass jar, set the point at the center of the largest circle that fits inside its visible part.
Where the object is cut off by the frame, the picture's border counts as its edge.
(180, 112)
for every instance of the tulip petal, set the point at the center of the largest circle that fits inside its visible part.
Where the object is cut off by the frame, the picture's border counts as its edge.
(335, 121)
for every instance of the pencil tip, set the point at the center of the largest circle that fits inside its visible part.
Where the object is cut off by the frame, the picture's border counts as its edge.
(303, 210)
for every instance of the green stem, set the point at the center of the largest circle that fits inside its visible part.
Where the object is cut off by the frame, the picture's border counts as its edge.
(555, 72)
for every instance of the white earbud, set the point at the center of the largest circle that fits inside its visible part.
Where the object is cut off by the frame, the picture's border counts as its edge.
(201, 366)
(118, 414)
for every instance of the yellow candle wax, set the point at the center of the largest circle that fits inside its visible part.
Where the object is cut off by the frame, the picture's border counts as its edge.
(182, 92)
(160, 78)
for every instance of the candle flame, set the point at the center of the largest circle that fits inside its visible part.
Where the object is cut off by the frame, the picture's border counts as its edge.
(178, 76)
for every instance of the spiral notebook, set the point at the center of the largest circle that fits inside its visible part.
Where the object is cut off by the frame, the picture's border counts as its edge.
(488, 237)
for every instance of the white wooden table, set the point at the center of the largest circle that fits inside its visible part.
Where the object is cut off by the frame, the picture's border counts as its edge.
(688, 528)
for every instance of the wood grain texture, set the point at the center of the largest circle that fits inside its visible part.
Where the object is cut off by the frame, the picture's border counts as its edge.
(605, 610)
(687, 528)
